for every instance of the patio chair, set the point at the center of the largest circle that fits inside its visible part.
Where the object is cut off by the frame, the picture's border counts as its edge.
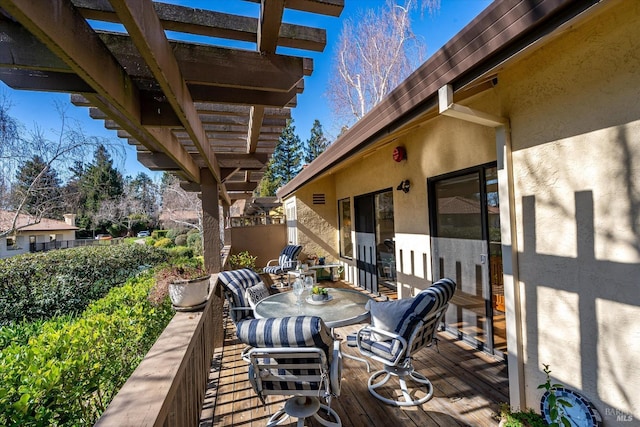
(287, 261)
(235, 284)
(399, 329)
(294, 356)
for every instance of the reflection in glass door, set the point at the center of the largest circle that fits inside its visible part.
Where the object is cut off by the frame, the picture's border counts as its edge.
(466, 247)
(375, 240)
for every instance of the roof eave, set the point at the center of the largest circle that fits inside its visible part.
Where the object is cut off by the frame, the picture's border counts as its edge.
(502, 31)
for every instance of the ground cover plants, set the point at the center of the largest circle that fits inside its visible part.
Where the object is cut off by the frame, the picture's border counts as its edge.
(70, 368)
(44, 285)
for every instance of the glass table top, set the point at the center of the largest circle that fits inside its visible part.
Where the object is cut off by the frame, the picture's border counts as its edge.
(346, 307)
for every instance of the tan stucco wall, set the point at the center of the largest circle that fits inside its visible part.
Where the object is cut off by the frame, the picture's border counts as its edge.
(262, 241)
(440, 146)
(574, 108)
(318, 224)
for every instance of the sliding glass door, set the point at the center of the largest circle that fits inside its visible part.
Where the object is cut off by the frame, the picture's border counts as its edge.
(466, 247)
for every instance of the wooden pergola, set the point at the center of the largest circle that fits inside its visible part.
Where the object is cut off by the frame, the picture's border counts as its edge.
(206, 112)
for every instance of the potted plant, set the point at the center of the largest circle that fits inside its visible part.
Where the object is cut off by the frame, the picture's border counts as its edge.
(319, 293)
(188, 285)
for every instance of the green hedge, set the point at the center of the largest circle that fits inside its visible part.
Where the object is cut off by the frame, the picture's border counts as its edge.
(68, 373)
(48, 284)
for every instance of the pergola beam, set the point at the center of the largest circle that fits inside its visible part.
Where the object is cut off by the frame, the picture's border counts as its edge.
(147, 33)
(323, 7)
(57, 25)
(213, 24)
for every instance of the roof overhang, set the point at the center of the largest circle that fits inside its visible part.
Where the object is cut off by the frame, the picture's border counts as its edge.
(468, 63)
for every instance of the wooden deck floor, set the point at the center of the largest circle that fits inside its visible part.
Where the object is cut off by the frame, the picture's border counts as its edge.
(469, 386)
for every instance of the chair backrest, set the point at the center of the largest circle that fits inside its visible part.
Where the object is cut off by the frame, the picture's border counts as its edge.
(235, 284)
(437, 297)
(289, 255)
(291, 356)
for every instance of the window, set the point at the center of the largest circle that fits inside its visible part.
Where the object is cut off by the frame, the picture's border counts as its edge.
(12, 244)
(344, 216)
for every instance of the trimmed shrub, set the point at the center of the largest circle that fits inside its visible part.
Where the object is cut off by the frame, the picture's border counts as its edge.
(181, 240)
(175, 232)
(165, 242)
(69, 372)
(194, 241)
(159, 234)
(47, 284)
(180, 252)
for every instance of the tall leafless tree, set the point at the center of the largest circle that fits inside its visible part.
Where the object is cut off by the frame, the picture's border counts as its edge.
(182, 208)
(69, 145)
(376, 51)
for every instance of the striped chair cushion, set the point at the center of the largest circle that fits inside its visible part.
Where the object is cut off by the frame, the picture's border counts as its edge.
(402, 316)
(285, 261)
(297, 332)
(236, 282)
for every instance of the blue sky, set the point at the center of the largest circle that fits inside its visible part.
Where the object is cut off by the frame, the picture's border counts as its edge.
(32, 108)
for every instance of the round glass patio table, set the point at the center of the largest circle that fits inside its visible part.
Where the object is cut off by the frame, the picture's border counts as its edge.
(346, 307)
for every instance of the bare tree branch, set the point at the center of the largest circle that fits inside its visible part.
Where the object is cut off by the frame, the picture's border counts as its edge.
(376, 52)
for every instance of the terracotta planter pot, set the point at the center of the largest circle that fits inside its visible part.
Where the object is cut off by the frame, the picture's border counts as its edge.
(189, 293)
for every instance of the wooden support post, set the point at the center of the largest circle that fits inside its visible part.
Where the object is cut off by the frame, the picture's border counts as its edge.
(212, 246)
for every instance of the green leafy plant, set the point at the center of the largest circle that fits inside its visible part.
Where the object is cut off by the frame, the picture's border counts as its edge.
(70, 368)
(319, 290)
(54, 283)
(557, 406)
(242, 260)
(527, 418)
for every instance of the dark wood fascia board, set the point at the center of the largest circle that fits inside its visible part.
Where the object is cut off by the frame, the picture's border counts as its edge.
(501, 31)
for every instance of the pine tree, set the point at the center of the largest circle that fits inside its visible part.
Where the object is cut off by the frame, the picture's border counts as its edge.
(316, 144)
(100, 181)
(268, 185)
(287, 157)
(38, 188)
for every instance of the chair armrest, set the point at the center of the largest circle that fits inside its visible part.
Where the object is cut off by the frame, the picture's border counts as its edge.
(240, 308)
(336, 369)
(368, 331)
(272, 260)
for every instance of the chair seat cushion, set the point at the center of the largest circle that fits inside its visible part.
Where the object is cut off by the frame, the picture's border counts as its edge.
(388, 349)
(273, 269)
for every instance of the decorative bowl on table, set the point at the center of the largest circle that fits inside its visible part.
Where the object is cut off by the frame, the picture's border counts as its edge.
(319, 295)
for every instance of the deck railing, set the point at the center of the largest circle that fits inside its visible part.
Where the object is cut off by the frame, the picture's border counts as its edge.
(168, 387)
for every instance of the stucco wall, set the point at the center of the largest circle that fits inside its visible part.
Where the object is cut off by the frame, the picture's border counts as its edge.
(318, 223)
(574, 107)
(262, 241)
(440, 146)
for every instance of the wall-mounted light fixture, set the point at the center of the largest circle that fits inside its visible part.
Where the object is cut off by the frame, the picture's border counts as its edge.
(404, 186)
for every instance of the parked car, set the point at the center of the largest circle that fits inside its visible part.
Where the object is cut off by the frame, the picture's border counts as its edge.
(104, 237)
(144, 233)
